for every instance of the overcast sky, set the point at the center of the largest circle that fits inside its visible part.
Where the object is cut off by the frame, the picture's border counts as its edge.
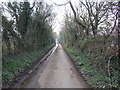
(59, 10)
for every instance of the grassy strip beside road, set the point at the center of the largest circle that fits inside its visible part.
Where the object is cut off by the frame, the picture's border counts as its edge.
(92, 75)
(16, 64)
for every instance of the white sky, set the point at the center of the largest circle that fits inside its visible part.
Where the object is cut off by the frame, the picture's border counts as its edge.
(59, 10)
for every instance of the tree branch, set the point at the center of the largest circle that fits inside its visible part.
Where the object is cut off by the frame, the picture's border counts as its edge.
(75, 15)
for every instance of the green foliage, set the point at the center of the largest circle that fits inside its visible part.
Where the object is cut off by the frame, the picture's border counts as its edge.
(29, 27)
(15, 64)
(26, 36)
(92, 74)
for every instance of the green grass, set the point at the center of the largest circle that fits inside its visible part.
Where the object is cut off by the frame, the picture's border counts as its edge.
(14, 64)
(93, 75)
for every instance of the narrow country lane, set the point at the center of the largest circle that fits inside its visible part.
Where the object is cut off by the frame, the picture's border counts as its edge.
(58, 72)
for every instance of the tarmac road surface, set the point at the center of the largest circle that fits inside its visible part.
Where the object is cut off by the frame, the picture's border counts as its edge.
(57, 72)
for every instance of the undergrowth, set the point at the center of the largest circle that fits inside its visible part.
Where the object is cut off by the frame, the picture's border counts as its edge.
(15, 64)
(91, 72)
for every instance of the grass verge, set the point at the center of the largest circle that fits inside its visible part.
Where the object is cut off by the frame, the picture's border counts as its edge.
(16, 64)
(93, 75)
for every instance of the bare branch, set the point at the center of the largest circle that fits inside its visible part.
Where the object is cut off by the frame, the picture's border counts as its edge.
(75, 16)
(60, 4)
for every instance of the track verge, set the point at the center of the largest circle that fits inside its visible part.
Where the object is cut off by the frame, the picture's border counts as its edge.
(78, 70)
(38, 62)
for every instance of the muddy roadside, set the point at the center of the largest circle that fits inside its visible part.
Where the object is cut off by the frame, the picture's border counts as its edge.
(19, 78)
(78, 70)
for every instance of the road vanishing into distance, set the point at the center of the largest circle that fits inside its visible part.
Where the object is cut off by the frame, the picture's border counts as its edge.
(56, 72)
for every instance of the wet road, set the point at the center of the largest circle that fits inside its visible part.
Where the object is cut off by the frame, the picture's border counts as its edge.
(56, 72)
